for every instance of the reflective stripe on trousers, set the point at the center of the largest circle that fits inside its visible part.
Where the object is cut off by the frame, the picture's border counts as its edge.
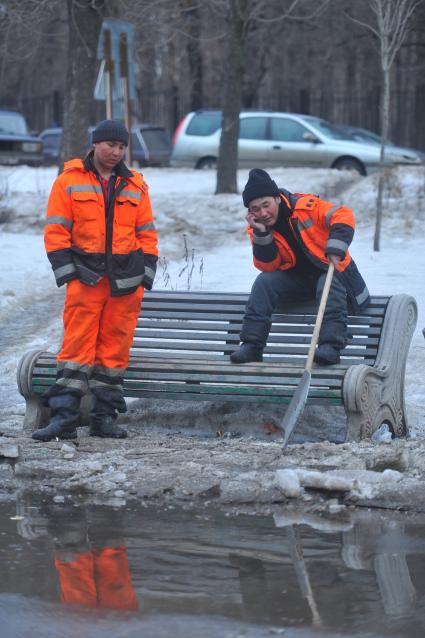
(98, 333)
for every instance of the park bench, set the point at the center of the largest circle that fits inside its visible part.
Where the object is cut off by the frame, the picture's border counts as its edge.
(183, 340)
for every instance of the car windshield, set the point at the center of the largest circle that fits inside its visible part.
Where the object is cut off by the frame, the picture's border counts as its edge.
(327, 128)
(362, 135)
(204, 123)
(366, 136)
(13, 123)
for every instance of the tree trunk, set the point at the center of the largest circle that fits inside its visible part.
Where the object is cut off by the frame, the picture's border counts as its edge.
(84, 27)
(194, 55)
(385, 115)
(227, 165)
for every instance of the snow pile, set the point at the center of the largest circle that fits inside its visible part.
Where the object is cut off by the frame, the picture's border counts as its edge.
(360, 483)
(403, 199)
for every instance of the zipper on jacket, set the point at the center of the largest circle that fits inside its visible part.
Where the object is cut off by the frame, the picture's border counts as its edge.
(110, 225)
(293, 227)
(293, 224)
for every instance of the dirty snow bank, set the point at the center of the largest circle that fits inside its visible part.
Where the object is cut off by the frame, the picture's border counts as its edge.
(320, 477)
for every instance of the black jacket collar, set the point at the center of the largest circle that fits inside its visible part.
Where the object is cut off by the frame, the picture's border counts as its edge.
(120, 169)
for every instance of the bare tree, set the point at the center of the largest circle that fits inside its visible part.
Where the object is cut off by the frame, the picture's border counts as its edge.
(85, 21)
(192, 14)
(241, 16)
(234, 69)
(23, 28)
(392, 20)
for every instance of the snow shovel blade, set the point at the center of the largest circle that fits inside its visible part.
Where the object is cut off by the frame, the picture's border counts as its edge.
(295, 407)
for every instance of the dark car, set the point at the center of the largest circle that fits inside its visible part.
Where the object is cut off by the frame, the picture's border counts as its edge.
(151, 144)
(17, 146)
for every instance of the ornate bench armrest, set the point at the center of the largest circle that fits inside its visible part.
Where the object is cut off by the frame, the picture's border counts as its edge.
(374, 394)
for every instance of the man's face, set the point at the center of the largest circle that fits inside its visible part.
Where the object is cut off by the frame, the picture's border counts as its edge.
(108, 154)
(265, 210)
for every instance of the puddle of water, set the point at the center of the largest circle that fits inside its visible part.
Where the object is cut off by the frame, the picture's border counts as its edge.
(71, 570)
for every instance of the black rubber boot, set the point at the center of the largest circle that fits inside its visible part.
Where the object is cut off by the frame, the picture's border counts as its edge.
(106, 428)
(64, 416)
(107, 402)
(326, 355)
(247, 353)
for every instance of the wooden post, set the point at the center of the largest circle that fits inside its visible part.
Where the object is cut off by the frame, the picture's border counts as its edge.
(125, 91)
(109, 70)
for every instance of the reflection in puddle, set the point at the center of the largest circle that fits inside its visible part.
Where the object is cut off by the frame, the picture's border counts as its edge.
(71, 569)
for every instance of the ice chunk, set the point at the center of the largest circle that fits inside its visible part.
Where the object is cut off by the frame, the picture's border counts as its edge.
(289, 483)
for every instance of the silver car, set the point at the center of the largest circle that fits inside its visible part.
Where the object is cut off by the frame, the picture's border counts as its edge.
(268, 138)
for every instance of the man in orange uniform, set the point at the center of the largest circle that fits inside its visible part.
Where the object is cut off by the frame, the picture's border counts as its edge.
(101, 242)
(294, 236)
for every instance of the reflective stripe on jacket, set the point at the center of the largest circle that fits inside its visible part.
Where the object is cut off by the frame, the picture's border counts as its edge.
(322, 229)
(85, 241)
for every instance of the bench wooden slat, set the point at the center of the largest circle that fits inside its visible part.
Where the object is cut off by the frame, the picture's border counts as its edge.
(195, 394)
(291, 319)
(223, 296)
(219, 305)
(207, 378)
(224, 328)
(236, 314)
(228, 348)
(230, 298)
(265, 371)
(199, 388)
(190, 396)
(274, 359)
(178, 335)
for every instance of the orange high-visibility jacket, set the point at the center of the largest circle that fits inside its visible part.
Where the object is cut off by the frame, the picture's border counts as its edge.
(86, 241)
(321, 229)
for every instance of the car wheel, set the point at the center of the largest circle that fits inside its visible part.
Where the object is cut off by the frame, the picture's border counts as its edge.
(207, 162)
(349, 164)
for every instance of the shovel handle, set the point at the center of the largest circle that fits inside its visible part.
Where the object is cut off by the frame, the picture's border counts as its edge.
(320, 313)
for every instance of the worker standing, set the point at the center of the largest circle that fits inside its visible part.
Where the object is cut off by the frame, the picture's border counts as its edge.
(101, 242)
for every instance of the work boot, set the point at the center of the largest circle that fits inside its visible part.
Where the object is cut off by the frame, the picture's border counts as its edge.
(107, 402)
(106, 428)
(55, 430)
(64, 416)
(247, 353)
(327, 355)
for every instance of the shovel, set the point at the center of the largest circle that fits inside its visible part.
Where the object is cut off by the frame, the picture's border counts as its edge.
(298, 401)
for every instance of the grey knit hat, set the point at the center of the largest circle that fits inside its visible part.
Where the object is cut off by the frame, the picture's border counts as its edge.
(259, 184)
(110, 131)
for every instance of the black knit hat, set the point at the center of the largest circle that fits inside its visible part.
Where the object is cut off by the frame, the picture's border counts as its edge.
(259, 184)
(110, 131)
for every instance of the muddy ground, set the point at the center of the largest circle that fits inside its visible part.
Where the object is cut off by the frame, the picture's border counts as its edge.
(225, 466)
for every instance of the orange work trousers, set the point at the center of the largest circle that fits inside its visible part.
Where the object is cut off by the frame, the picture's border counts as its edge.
(99, 578)
(98, 328)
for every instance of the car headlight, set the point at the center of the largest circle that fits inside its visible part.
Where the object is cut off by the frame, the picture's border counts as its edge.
(31, 147)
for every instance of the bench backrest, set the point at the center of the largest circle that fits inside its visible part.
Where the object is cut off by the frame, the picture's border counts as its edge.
(206, 325)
